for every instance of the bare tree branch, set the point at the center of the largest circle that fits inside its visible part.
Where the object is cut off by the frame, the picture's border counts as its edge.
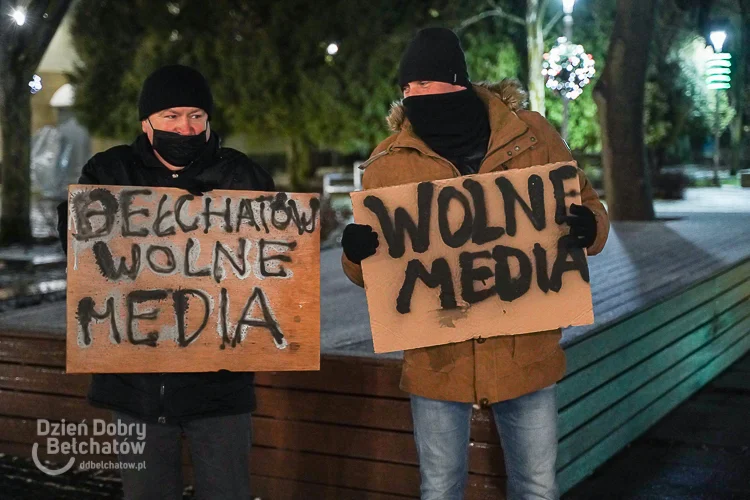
(543, 8)
(551, 24)
(497, 11)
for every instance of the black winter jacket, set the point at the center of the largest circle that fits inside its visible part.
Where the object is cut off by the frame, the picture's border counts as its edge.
(172, 397)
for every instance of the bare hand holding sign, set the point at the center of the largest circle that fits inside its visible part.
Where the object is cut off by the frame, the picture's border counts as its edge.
(163, 281)
(480, 255)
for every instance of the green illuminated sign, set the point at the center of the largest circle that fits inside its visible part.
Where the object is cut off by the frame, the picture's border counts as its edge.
(718, 71)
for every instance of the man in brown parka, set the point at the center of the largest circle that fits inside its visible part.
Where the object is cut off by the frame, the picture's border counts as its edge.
(447, 127)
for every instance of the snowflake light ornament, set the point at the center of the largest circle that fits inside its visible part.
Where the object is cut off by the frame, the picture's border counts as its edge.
(567, 68)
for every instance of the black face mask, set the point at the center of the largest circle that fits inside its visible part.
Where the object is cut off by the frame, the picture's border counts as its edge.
(178, 150)
(455, 125)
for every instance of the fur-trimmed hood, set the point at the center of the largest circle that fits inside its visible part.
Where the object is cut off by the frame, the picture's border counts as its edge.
(509, 90)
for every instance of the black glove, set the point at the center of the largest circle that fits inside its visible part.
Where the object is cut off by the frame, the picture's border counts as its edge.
(359, 242)
(196, 187)
(62, 225)
(582, 222)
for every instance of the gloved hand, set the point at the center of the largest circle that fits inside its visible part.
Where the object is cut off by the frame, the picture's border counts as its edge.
(582, 222)
(359, 242)
(196, 187)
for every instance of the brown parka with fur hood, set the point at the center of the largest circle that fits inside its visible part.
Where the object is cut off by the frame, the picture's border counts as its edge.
(495, 369)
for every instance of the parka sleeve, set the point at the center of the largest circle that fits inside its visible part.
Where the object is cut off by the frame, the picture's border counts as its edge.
(369, 181)
(558, 151)
(353, 271)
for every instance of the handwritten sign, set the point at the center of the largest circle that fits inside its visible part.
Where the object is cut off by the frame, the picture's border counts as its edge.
(475, 256)
(163, 281)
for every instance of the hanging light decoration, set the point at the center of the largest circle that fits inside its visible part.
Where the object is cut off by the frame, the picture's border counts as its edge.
(567, 68)
(35, 84)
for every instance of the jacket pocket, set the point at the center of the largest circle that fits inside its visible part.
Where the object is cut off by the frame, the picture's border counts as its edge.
(439, 358)
(534, 347)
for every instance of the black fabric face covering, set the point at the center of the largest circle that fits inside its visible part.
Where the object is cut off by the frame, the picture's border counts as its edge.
(455, 125)
(176, 149)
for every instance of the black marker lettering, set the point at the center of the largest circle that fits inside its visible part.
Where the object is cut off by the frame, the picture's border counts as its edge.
(508, 287)
(226, 214)
(440, 276)
(481, 233)
(558, 178)
(106, 263)
(239, 264)
(136, 297)
(160, 217)
(268, 321)
(180, 298)
(535, 213)
(470, 274)
(178, 214)
(245, 213)
(168, 254)
(263, 258)
(542, 275)
(463, 233)
(82, 213)
(394, 230)
(278, 205)
(303, 223)
(126, 200)
(224, 328)
(86, 313)
(188, 266)
(565, 249)
(262, 200)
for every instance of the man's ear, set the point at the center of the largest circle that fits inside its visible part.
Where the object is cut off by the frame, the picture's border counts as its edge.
(145, 126)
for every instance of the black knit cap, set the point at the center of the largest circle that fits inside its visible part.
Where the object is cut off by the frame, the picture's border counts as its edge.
(435, 55)
(174, 86)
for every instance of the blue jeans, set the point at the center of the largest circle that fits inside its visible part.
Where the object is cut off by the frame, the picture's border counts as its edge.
(219, 451)
(527, 426)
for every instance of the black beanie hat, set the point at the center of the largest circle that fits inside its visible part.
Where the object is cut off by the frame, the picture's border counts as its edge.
(435, 55)
(174, 86)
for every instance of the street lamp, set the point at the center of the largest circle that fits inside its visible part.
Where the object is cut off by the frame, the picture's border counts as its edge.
(567, 67)
(718, 71)
(568, 22)
(717, 39)
(18, 15)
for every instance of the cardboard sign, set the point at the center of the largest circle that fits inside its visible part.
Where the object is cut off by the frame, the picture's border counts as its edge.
(474, 256)
(163, 281)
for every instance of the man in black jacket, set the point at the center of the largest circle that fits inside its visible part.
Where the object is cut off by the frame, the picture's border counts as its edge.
(179, 149)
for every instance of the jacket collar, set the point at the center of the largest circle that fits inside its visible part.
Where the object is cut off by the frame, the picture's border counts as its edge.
(505, 125)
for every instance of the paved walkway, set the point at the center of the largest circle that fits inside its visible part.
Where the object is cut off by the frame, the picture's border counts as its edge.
(21, 480)
(700, 451)
(726, 199)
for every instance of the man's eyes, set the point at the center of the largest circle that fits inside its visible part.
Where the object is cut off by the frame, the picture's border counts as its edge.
(196, 116)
